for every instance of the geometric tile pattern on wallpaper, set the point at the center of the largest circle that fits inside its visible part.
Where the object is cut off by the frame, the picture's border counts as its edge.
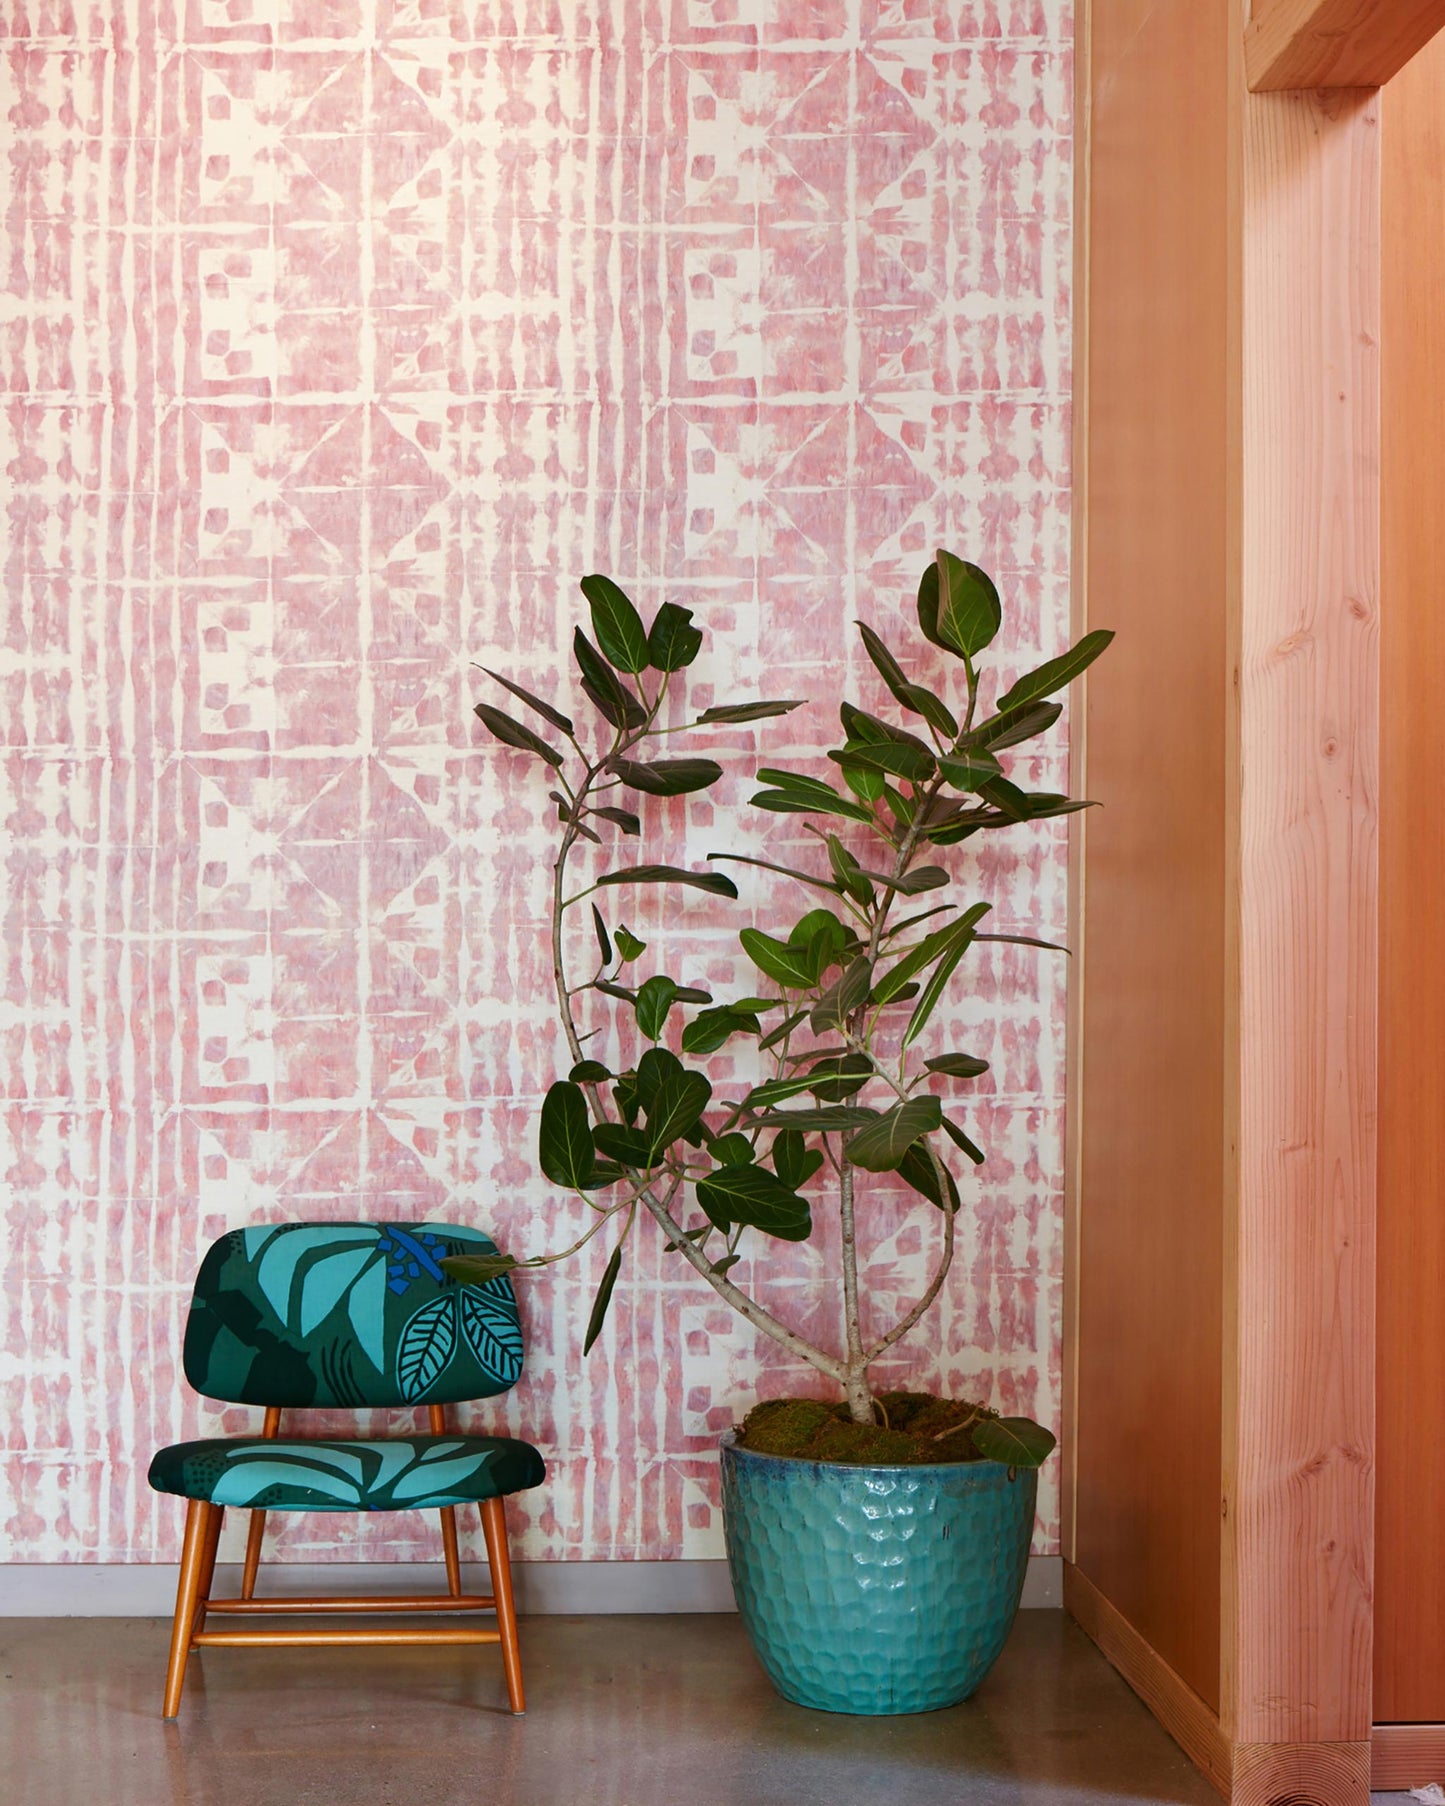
(337, 340)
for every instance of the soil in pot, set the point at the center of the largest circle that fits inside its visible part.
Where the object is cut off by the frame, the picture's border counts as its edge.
(915, 1430)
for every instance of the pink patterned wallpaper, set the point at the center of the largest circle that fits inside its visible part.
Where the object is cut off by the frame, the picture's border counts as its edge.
(337, 339)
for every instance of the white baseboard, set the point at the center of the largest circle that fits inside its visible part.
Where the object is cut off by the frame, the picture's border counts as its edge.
(137, 1590)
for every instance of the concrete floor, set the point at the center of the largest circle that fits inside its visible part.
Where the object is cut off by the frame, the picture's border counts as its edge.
(655, 1711)
(645, 1711)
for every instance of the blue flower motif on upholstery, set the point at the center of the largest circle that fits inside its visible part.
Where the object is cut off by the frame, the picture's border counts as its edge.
(408, 1256)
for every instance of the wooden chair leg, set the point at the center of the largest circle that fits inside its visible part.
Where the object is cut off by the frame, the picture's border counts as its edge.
(208, 1565)
(253, 1554)
(451, 1550)
(494, 1528)
(193, 1552)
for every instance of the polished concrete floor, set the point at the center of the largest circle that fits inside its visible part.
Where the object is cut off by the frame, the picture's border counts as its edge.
(621, 1712)
(657, 1711)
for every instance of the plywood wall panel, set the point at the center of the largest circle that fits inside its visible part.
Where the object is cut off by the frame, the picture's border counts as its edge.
(1149, 1273)
(1410, 1555)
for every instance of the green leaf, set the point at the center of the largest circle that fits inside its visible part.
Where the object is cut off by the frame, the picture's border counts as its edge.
(672, 642)
(900, 807)
(622, 818)
(606, 1172)
(848, 872)
(883, 1143)
(544, 709)
(823, 938)
(731, 1150)
(1026, 940)
(693, 994)
(802, 795)
(969, 612)
(918, 1169)
(621, 637)
(654, 1000)
(958, 945)
(564, 1138)
(707, 1032)
(589, 1072)
(672, 874)
(625, 1092)
(628, 945)
(970, 771)
(1015, 725)
(958, 1065)
(677, 1109)
(839, 1076)
(912, 884)
(667, 777)
(1007, 798)
(753, 1196)
(603, 1299)
(793, 1160)
(512, 733)
(604, 687)
(865, 783)
(1056, 672)
(825, 1119)
(785, 965)
(623, 993)
(960, 1140)
(890, 757)
(1013, 1441)
(787, 871)
(656, 1067)
(728, 1260)
(844, 995)
(775, 1091)
(477, 1269)
(628, 1147)
(602, 941)
(745, 711)
(928, 950)
(864, 729)
(912, 696)
(783, 1030)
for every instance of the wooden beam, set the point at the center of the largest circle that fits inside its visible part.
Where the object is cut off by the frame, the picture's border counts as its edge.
(1336, 43)
(1299, 1423)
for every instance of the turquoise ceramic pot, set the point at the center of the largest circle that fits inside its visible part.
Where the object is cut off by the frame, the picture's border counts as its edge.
(875, 1589)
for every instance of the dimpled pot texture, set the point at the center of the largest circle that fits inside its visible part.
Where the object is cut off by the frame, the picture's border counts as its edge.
(875, 1590)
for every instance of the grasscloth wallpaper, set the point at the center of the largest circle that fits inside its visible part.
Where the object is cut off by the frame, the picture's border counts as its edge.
(337, 339)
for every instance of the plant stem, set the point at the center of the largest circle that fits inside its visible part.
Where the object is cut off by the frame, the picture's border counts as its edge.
(855, 1379)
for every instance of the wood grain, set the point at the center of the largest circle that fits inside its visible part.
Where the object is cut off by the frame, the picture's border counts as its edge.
(1410, 1466)
(1406, 1755)
(1300, 1411)
(1148, 1092)
(1301, 1774)
(1186, 1717)
(1336, 43)
(1078, 786)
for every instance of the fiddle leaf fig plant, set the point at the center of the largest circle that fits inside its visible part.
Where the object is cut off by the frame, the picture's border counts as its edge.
(850, 1082)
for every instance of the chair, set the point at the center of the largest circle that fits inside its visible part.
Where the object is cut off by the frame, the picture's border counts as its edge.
(355, 1315)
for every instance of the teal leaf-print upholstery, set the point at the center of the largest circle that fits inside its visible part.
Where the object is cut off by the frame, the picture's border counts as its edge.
(350, 1314)
(403, 1473)
(427, 1344)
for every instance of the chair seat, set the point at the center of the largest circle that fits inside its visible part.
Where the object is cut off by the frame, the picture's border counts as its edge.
(395, 1473)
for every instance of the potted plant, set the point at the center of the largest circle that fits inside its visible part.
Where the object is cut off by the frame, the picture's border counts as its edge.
(878, 1545)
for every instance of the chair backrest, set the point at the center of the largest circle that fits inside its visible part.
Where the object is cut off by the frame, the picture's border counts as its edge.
(351, 1314)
